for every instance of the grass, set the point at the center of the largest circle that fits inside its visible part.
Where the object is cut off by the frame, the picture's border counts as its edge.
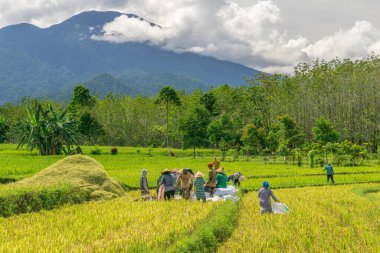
(321, 219)
(103, 226)
(126, 166)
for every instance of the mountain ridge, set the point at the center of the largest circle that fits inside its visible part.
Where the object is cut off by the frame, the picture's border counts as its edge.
(50, 61)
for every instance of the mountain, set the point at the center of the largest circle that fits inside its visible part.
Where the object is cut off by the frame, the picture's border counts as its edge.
(39, 62)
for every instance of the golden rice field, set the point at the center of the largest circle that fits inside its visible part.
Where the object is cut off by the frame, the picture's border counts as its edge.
(321, 219)
(110, 226)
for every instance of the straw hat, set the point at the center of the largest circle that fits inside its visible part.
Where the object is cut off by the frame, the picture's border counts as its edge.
(209, 165)
(199, 174)
(165, 170)
(175, 171)
(220, 170)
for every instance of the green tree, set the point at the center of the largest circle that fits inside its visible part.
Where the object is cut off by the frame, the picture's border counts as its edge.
(82, 98)
(290, 132)
(194, 127)
(209, 102)
(49, 132)
(254, 138)
(168, 95)
(4, 128)
(221, 129)
(81, 104)
(90, 127)
(324, 132)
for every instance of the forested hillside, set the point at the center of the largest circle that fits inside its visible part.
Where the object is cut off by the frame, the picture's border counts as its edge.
(49, 62)
(321, 104)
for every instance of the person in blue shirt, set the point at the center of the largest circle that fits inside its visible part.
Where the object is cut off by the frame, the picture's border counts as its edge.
(329, 172)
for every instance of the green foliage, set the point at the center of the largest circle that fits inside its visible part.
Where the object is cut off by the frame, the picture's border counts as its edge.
(208, 100)
(4, 128)
(194, 127)
(96, 151)
(33, 200)
(254, 138)
(221, 129)
(82, 98)
(168, 95)
(47, 131)
(324, 132)
(209, 235)
(90, 127)
(289, 132)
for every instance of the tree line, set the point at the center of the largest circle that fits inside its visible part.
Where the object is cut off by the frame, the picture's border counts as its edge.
(308, 112)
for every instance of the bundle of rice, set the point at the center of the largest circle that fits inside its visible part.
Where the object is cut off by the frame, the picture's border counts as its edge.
(78, 171)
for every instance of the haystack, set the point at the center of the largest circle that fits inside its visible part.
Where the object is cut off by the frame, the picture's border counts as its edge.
(78, 170)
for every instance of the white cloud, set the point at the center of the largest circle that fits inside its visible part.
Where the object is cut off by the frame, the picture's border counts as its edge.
(355, 42)
(124, 29)
(223, 29)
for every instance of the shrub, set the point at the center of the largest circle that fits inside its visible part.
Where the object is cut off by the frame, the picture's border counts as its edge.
(114, 151)
(26, 200)
(96, 151)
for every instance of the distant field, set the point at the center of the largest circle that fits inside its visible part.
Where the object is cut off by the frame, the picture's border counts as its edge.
(127, 164)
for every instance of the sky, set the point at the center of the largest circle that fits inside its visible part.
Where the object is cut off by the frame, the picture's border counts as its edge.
(268, 35)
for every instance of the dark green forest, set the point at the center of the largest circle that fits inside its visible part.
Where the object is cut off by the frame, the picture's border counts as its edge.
(328, 107)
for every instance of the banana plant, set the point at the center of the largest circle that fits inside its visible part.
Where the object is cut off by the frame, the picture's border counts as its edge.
(48, 131)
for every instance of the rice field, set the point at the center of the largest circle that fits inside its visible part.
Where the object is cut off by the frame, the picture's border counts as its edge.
(127, 164)
(110, 226)
(339, 218)
(321, 219)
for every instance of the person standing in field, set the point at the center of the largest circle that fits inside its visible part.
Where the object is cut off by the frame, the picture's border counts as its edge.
(216, 164)
(329, 172)
(144, 183)
(158, 183)
(211, 183)
(185, 180)
(168, 181)
(199, 186)
(264, 197)
(221, 178)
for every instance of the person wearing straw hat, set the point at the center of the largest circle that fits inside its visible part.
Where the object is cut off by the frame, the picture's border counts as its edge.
(168, 181)
(216, 164)
(185, 180)
(199, 186)
(221, 178)
(211, 183)
(264, 196)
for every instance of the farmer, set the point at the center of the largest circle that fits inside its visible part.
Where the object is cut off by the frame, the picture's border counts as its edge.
(211, 183)
(216, 163)
(329, 172)
(235, 178)
(221, 178)
(168, 181)
(184, 180)
(264, 196)
(199, 186)
(159, 179)
(144, 183)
